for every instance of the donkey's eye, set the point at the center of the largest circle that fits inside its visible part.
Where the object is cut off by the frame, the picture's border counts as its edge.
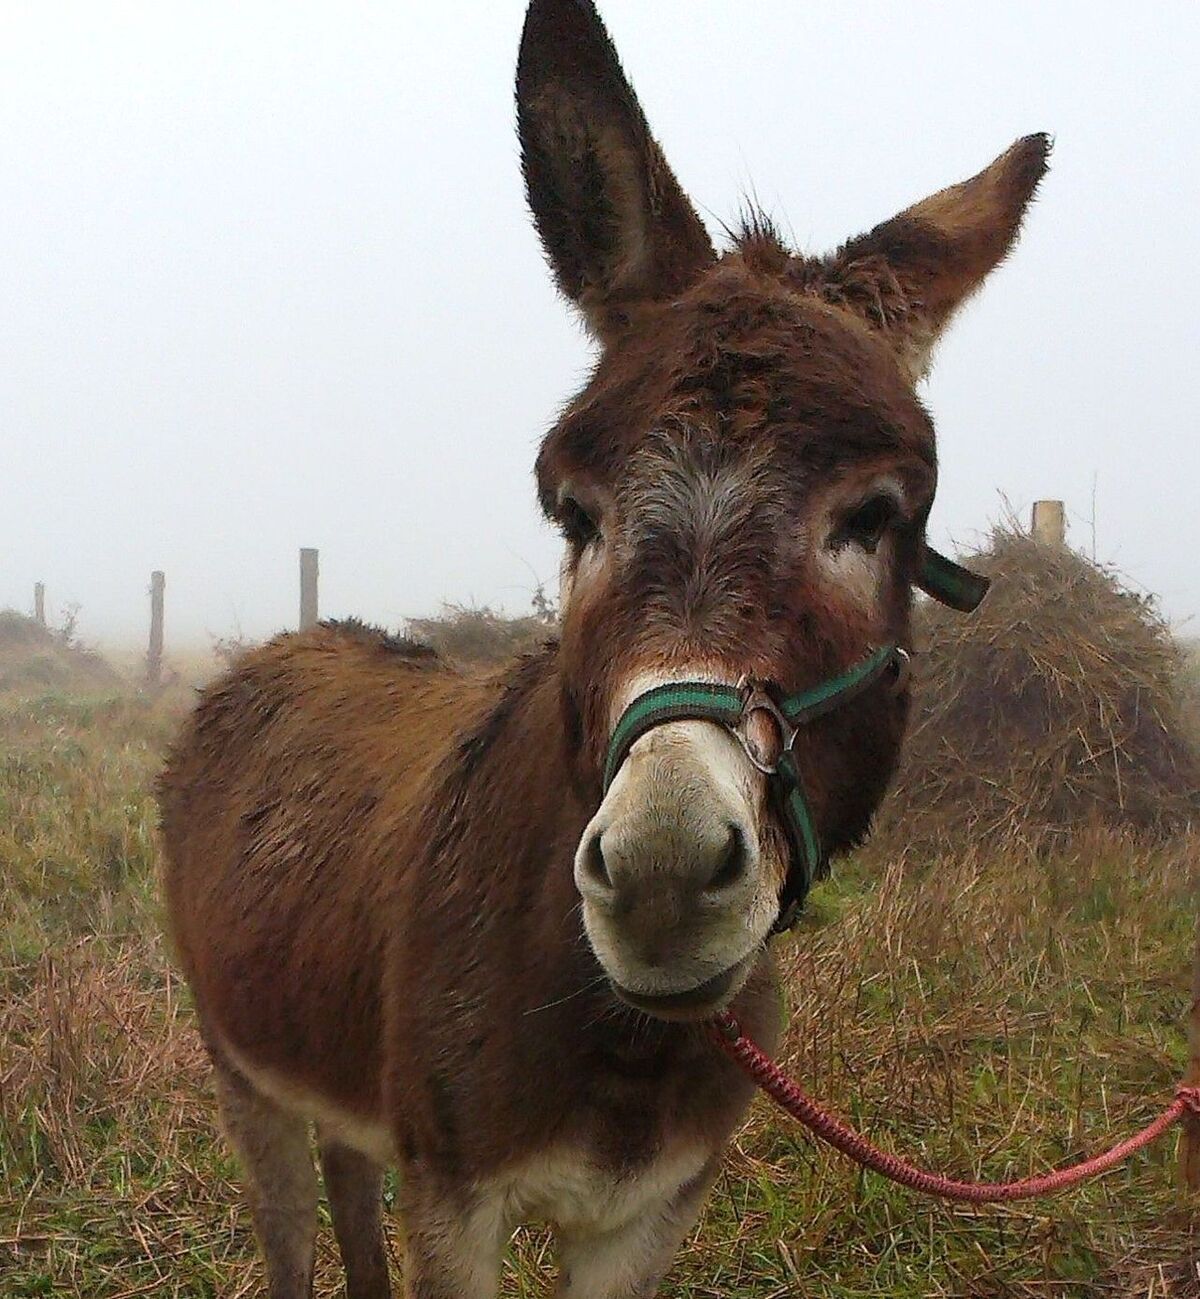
(866, 525)
(579, 527)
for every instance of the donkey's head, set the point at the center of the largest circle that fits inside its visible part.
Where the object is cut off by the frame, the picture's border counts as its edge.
(743, 485)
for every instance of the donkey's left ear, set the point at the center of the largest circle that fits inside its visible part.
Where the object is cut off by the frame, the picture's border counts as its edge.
(617, 228)
(909, 275)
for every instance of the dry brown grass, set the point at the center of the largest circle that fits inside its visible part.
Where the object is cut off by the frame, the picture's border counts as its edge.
(990, 1015)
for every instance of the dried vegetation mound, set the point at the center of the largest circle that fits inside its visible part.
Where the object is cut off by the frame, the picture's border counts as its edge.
(480, 637)
(35, 659)
(1064, 701)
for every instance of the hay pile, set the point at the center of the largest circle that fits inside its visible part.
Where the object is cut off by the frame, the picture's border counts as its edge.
(1062, 702)
(476, 636)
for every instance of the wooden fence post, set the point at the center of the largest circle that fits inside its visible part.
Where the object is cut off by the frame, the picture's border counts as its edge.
(39, 603)
(154, 655)
(308, 587)
(1049, 523)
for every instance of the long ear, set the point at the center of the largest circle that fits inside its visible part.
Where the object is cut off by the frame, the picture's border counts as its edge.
(616, 226)
(909, 275)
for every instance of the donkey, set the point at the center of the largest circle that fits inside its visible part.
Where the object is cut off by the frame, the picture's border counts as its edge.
(432, 912)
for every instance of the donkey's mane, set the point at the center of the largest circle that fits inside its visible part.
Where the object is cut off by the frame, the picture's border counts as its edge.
(367, 634)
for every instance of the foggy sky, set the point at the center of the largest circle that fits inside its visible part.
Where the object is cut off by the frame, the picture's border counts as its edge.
(269, 280)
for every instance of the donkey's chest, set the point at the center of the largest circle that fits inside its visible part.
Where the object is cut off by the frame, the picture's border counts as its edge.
(573, 1189)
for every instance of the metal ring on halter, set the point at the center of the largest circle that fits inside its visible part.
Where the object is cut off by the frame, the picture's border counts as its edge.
(733, 707)
(902, 660)
(757, 699)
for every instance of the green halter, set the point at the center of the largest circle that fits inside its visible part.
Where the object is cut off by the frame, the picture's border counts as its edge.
(733, 706)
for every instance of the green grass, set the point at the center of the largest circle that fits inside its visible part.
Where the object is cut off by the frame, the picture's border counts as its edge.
(987, 1015)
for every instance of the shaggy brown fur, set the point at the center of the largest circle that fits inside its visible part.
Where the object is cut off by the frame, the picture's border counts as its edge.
(370, 854)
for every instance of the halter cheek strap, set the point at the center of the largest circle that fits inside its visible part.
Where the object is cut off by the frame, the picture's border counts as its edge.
(733, 707)
(951, 584)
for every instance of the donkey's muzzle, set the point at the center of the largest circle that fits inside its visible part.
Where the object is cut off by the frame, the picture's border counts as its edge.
(614, 863)
(669, 869)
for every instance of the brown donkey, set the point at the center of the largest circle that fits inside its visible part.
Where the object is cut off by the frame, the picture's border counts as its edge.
(409, 904)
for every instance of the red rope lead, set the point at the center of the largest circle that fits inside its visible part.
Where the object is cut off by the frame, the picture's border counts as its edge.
(727, 1034)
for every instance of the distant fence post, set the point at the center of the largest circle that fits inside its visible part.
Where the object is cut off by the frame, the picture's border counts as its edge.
(1049, 523)
(308, 588)
(39, 603)
(154, 655)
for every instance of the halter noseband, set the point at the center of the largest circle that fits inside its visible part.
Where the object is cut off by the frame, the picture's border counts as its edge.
(733, 707)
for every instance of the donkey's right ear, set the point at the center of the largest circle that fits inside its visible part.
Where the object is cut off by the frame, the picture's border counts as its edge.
(616, 227)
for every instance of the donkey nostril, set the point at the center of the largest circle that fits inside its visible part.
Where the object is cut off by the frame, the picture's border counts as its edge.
(595, 868)
(732, 865)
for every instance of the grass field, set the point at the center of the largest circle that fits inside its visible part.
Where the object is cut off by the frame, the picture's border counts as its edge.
(990, 1015)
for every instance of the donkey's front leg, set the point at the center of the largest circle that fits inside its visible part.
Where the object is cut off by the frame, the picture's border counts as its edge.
(454, 1245)
(629, 1262)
